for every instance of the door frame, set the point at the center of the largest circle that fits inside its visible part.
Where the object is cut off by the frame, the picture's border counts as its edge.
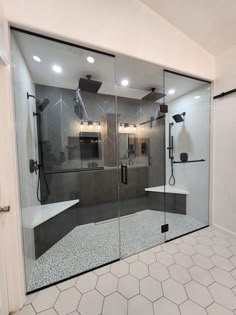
(12, 236)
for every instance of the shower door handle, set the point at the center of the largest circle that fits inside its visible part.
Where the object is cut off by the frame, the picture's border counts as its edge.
(124, 174)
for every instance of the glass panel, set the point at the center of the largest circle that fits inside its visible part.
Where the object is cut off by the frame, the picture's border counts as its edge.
(187, 162)
(68, 126)
(141, 154)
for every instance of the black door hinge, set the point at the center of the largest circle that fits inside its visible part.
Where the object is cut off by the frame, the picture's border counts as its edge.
(164, 228)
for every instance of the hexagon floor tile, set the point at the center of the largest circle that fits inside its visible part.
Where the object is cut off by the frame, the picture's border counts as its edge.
(174, 291)
(91, 303)
(195, 274)
(165, 306)
(107, 284)
(115, 304)
(128, 286)
(139, 305)
(67, 301)
(198, 293)
(151, 289)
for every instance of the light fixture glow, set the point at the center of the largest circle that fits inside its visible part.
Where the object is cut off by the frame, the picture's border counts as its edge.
(82, 125)
(125, 82)
(90, 59)
(171, 92)
(99, 125)
(36, 58)
(197, 97)
(135, 128)
(90, 123)
(57, 68)
(121, 127)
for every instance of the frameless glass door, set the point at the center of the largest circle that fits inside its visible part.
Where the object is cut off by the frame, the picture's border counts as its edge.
(66, 125)
(141, 144)
(187, 158)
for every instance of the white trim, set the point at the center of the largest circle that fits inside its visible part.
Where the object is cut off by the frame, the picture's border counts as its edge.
(3, 58)
(224, 229)
(12, 231)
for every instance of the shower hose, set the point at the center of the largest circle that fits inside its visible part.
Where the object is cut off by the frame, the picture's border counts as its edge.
(172, 177)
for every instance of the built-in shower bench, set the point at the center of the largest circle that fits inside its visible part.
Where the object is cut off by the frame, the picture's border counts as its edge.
(44, 225)
(174, 201)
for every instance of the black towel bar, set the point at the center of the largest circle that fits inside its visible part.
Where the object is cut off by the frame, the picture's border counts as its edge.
(224, 94)
(193, 161)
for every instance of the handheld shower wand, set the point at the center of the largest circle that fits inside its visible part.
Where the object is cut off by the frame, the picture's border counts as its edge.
(34, 166)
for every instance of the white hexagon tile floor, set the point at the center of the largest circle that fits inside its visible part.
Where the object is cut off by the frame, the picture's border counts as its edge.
(194, 274)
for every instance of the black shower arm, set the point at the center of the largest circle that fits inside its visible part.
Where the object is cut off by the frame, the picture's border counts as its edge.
(30, 95)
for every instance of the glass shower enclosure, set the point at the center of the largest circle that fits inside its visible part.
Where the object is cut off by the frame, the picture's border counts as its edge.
(99, 152)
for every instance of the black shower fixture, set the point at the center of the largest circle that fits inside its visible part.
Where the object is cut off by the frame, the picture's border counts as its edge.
(89, 85)
(179, 117)
(153, 96)
(41, 103)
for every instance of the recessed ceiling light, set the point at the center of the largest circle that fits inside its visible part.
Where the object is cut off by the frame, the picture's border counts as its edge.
(125, 82)
(36, 58)
(197, 97)
(171, 92)
(57, 68)
(90, 59)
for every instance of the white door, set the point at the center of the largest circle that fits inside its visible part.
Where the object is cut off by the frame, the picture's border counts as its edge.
(3, 283)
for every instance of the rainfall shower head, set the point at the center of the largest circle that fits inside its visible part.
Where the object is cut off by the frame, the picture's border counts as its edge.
(89, 85)
(41, 103)
(179, 117)
(153, 96)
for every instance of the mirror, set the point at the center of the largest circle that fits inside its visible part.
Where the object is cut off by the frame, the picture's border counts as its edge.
(127, 145)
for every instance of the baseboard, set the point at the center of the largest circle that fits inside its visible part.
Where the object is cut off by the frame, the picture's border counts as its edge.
(224, 229)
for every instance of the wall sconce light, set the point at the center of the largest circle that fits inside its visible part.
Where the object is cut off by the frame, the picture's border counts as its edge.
(135, 127)
(81, 125)
(121, 127)
(99, 125)
(90, 124)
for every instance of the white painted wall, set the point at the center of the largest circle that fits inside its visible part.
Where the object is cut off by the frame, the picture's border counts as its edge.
(26, 126)
(9, 184)
(128, 27)
(27, 148)
(224, 153)
(192, 136)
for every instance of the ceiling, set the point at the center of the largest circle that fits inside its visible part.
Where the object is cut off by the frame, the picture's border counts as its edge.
(142, 75)
(210, 23)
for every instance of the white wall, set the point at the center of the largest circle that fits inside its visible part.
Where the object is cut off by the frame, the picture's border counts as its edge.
(9, 185)
(128, 27)
(192, 136)
(224, 154)
(26, 126)
(26, 133)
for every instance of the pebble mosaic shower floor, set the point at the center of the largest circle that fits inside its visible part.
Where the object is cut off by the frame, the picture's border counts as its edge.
(91, 245)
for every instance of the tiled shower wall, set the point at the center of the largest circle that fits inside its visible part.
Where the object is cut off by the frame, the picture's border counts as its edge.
(59, 121)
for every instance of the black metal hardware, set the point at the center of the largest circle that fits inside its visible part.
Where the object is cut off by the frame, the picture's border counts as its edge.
(184, 157)
(163, 108)
(124, 175)
(151, 120)
(224, 94)
(33, 166)
(5, 209)
(193, 161)
(164, 228)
